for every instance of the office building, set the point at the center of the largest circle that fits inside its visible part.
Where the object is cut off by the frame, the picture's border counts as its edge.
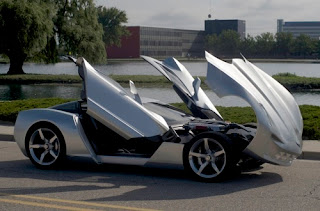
(166, 42)
(218, 26)
(310, 28)
(159, 42)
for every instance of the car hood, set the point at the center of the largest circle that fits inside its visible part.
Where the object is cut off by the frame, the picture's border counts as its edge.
(187, 87)
(279, 134)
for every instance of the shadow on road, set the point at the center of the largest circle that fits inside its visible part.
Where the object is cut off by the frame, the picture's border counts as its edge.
(153, 184)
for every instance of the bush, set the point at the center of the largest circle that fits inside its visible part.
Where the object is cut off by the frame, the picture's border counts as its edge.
(311, 121)
(9, 109)
(297, 83)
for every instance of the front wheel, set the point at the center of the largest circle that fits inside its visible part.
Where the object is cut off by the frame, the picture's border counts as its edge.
(208, 157)
(45, 146)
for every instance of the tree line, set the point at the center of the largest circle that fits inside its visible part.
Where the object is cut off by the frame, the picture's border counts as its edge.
(266, 45)
(43, 29)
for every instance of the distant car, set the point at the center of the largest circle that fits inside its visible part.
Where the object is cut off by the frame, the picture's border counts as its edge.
(111, 125)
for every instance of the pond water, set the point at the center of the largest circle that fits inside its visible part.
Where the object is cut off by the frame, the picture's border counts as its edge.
(14, 92)
(143, 68)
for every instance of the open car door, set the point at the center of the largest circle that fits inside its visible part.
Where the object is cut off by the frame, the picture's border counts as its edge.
(279, 134)
(186, 87)
(110, 104)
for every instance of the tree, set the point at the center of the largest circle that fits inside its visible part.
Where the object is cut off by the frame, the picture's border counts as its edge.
(49, 54)
(30, 29)
(317, 47)
(24, 28)
(211, 43)
(283, 43)
(229, 41)
(248, 46)
(112, 20)
(78, 30)
(265, 44)
(303, 45)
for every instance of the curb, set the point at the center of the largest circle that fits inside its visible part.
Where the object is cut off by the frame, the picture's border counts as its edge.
(309, 156)
(6, 123)
(6, 131)
(310, 150)
(5, 137)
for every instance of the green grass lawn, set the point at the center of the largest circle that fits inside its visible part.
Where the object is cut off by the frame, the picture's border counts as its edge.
(38, 79)
(311, 114)
(296, 83)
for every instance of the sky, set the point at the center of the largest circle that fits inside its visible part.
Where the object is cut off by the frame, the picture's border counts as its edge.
(260, 15)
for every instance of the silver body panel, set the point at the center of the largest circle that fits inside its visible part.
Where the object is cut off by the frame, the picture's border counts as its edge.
(68, 124)
(124, 160)
(279, 135)
(168, 154)
(114, 108)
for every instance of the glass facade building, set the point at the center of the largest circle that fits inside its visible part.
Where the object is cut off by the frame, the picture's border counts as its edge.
(217, 26)
(310, 28)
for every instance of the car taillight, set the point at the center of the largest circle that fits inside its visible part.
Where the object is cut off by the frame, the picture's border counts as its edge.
(201, 128)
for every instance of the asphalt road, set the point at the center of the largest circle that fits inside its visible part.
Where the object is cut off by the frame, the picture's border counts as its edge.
(83, 185)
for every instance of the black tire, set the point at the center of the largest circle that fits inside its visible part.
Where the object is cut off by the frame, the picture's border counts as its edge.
(208, 157)
(248, 164)
(45, 146)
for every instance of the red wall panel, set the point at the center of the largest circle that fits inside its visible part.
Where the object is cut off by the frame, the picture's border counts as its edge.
(130, 46)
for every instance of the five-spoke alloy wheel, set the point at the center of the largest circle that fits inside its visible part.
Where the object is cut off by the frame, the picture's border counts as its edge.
(208, 157)
(45, 145)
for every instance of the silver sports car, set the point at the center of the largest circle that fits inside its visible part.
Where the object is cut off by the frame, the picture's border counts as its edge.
(111, 125)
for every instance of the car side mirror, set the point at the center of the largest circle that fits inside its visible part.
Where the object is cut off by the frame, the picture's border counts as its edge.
(196, 86)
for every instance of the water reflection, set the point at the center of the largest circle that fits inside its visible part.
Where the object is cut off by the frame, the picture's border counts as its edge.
(67, 68)
(12, 92)
(307, 98)
(170, 96)
(15, 92)
(19, 92)
(143, 68)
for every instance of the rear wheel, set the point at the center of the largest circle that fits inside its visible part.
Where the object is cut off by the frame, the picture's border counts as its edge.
(45, 146)
(208, 157)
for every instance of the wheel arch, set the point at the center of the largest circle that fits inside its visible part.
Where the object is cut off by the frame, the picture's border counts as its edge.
(42, 123)
(52, 145)
(67, 123)
(224, 142)
(214, 134)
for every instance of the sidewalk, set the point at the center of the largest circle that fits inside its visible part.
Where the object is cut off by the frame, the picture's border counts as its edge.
(310, 149)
